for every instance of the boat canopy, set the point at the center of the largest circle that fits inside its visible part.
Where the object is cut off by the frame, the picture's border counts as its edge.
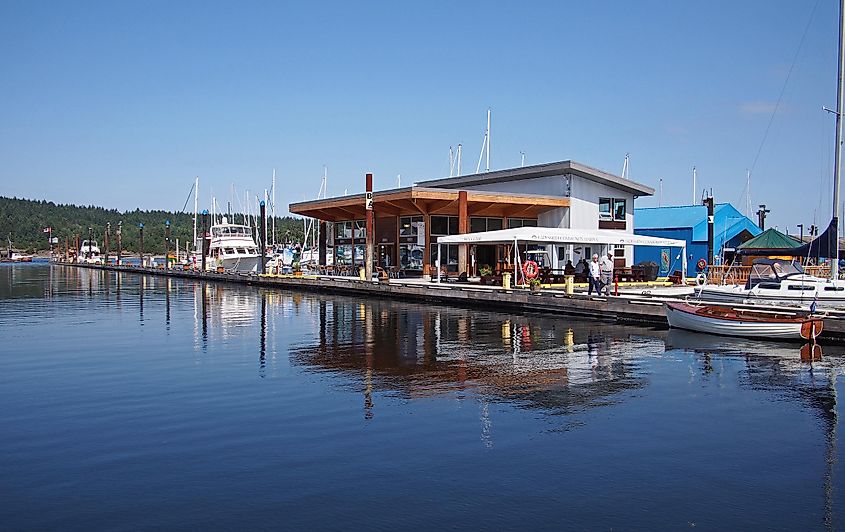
(558, 235)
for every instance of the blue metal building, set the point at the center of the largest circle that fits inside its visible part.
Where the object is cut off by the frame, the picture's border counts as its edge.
(689, 222)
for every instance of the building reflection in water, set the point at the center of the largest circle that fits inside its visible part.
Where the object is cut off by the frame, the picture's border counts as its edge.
(421, 351)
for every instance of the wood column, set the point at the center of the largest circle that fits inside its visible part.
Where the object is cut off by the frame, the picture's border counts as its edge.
(321, 243)
(371, 237)
(427, 251)
(463, 228)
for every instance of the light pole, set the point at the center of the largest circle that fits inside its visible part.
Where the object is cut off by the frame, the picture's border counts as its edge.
(119, 241)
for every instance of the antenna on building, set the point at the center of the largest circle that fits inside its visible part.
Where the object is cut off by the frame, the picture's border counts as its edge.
(748, 193)
(451, 163)
(660, 194)
(625, 169)
(459, 159)
(694, 187)
(485, 148)
(522, 160)
(399, 180)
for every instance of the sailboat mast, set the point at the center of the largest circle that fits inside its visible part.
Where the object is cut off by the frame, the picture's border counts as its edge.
(273, 208)
(196, 206)
(837, 164)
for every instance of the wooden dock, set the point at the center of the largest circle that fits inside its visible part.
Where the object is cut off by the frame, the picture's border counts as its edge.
(631, 309)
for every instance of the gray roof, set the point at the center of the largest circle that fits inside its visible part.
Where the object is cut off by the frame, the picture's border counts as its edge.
(543, 170)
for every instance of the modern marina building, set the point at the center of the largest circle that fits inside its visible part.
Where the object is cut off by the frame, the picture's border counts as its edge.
(408, 220)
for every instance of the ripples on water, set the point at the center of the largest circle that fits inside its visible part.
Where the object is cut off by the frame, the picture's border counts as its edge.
(139, 402)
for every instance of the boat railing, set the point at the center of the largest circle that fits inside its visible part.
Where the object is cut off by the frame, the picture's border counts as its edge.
(732, 274)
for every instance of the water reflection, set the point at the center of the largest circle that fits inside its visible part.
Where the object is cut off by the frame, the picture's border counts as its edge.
(423, 351)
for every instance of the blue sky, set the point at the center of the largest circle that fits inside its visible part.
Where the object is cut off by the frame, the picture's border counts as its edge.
(121, 104)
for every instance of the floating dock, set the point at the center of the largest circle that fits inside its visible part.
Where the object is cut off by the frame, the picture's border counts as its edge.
(644, 309)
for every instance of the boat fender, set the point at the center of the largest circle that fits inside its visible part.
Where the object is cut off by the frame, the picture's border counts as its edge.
(700, 279)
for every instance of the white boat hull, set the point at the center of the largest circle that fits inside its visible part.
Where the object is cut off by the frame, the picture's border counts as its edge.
(746, 329)
(243, 264)
(739, 295)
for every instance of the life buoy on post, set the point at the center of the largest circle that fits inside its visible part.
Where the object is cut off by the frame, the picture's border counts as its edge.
(702, 264)
(530, 270)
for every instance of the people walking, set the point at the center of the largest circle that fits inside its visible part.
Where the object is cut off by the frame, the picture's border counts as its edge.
(594, 275)
(607, 273)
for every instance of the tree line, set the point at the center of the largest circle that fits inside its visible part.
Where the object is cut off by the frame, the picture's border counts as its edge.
(24, 221)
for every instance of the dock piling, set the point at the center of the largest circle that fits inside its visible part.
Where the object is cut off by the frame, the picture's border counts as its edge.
(368, 258)
(262, 231)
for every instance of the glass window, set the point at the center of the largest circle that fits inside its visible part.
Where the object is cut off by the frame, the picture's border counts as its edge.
(619, 209)
(604, 208)
(439, 225)
(359, 253)
(494, 224)
(477, 225)
(448, 257)
(360, 229)
(343, 255)
(410, 256)
(408, 225)
(453, 225)
(343, 230)
(529, 222)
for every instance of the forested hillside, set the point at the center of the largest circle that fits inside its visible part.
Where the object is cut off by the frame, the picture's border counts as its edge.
(25, 221)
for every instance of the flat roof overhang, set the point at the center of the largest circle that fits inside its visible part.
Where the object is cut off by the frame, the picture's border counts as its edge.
(417, 201)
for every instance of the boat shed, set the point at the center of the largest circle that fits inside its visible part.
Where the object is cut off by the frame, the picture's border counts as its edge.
(689, 223)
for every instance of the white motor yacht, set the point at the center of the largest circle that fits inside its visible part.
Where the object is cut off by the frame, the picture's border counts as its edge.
(89, 252)
(778, 282)
(232, 247)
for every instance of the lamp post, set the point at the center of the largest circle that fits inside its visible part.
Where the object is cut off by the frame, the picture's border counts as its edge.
(167, 244)
(141, 235)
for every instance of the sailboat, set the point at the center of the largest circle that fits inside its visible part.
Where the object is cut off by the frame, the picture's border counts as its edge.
(785, 282)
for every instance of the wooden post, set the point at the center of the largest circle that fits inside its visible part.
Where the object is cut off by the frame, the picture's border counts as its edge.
(368, 256)
(167, 244)
(141, 237)
(106, 242)
(427, 247)
(463, 228)
(119, 241)
(322, 244)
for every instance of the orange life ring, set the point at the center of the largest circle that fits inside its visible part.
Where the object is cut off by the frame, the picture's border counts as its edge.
(701, 264)
(530, 269)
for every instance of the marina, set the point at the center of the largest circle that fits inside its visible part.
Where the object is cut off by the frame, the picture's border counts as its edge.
(251, 279)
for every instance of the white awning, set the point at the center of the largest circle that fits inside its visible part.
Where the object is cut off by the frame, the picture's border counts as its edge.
(555, 235)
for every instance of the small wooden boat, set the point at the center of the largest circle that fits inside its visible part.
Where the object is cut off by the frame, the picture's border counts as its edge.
(729, 321)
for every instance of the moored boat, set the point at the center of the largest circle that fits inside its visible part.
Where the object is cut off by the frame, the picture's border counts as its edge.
(729, 321)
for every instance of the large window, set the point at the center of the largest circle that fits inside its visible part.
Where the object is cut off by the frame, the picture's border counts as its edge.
(444, 225)
(410, 225)
(478, 224)
(448, 256)
(343, 230)
(521, 222)
(411, 256)
(613, 209)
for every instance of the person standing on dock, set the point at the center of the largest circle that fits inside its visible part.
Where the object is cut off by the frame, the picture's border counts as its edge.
(606, 273)
(594, 274)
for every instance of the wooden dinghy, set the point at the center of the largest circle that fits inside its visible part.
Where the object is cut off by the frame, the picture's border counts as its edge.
(728, 321)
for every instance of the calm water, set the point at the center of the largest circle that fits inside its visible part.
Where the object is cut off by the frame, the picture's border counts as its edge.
(132, 402)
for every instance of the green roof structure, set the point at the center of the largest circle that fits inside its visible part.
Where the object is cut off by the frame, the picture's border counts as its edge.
(770, 239)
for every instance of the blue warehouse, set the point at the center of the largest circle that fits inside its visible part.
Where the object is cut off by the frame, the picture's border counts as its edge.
(689, 222)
